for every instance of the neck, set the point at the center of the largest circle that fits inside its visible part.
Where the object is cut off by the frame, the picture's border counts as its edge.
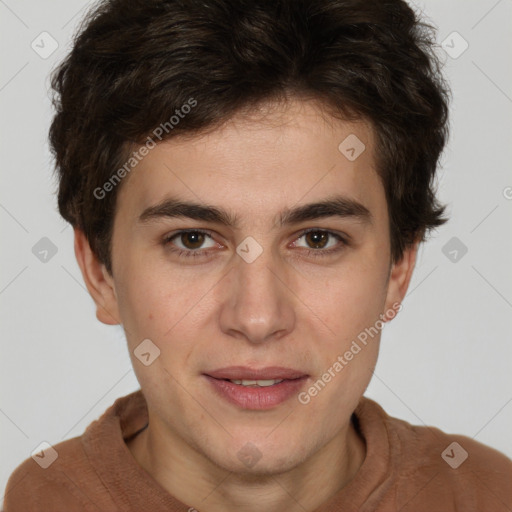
(196, 481)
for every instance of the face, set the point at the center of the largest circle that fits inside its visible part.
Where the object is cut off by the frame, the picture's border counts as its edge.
(245, 293)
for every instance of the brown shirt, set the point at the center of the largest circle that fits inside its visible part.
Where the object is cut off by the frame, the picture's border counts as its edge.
(407, 468)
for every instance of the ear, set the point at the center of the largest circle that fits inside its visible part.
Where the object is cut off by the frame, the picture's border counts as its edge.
(399, 279)
(98, 281)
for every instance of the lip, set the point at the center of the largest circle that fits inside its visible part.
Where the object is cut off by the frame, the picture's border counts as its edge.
(247, 373)
(256, 398)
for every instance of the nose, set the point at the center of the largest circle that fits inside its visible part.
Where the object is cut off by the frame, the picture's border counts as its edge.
(259, 303)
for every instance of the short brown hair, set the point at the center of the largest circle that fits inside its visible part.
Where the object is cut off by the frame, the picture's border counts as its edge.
(134, 63)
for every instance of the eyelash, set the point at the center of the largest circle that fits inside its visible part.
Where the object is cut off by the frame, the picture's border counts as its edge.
(201, 253)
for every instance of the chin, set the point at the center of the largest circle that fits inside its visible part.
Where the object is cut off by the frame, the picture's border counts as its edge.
(260, 458)
(263, 467)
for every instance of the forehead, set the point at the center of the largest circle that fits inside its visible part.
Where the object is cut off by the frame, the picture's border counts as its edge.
(254, 166)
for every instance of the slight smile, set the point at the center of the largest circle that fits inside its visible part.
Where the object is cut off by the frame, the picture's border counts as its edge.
(256, 389)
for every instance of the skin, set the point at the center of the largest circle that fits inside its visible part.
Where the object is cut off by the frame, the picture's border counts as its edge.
(287, 308)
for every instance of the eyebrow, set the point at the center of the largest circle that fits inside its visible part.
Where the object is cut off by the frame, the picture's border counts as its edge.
(337, 206)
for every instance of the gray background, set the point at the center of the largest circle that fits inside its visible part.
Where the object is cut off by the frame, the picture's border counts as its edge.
(445, 361)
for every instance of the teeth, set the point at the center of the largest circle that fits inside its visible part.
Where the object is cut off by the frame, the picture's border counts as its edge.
(256, 383)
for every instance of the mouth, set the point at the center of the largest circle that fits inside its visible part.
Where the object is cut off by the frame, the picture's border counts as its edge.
(255, 383)
(256, 389)
(247, 373)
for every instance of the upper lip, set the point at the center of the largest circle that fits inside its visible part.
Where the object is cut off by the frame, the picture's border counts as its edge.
(247, 373)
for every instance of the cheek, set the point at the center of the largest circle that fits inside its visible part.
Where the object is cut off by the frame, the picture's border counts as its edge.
(159, 304)
(143, 304)
(347, 299)
(153, 309)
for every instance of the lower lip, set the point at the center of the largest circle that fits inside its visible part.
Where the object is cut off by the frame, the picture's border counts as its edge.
(257, 398)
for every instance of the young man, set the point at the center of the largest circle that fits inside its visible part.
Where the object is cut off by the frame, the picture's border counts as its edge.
(249, 182)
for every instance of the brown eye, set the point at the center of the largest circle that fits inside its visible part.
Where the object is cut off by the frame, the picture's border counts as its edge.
(192, 239)
(320, 242)
(317, 239)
